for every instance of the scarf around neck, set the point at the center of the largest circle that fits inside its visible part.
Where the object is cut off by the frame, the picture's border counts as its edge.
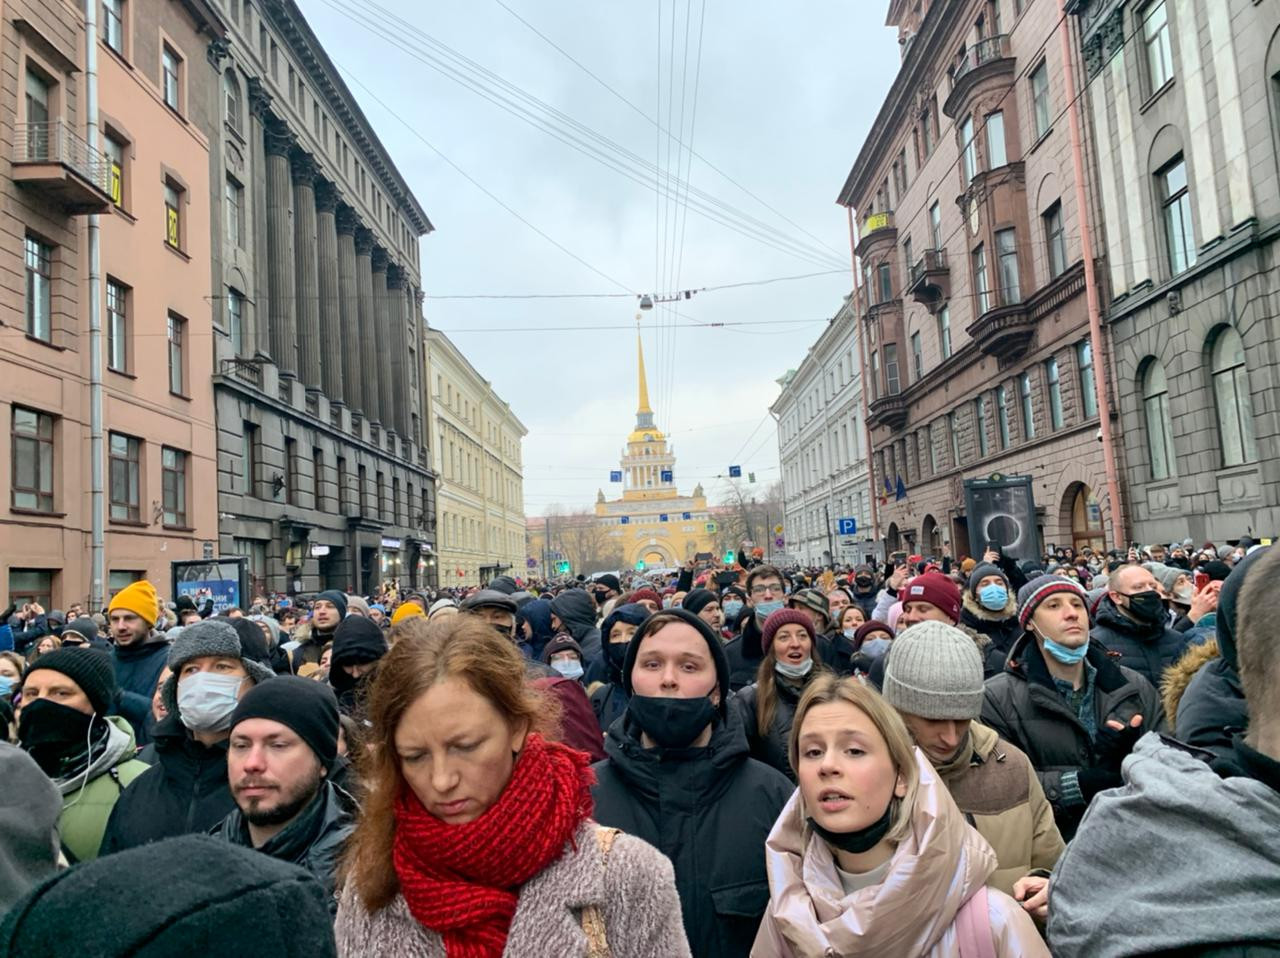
(463, 881)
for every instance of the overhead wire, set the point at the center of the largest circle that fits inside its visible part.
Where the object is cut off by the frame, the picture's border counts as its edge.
(702, 289)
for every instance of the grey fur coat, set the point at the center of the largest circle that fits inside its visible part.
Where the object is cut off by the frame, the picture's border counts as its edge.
(634, 888)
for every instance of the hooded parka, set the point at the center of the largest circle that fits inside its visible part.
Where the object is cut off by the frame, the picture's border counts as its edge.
(1000, 627)
(86, 810)
(709, 811)
(1147, 649)
(932, 873)
(577, 612)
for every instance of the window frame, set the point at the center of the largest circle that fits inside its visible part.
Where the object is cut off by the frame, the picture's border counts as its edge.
(980, 426)
(173, 486)
(1053, 386)
(173, 197)
(43, 465)
(943, 319)
(1007, 267)
(1085, 372)
(175, 338)
(1156, 40)
(1002, 417)
(235, 320)
(130, 462)
(981, 284)
(1055, 240)
(171, 67)
(118, 17)
(968, 150)
(38, 259)
(995, 135)
(1241, 411)
(1177, 202)
(1041, 109)
(118, 297)
(1028, 405)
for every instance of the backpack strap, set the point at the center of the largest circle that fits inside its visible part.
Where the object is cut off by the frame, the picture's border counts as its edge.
(592, 916)
(973, 927)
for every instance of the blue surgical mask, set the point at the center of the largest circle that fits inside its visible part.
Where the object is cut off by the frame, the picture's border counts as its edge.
(571, 669)
(206, 701)
(766, 609)
(850, 633)
(1065, 654)
(6, 685)
(993, 597)
(731, 609)
(876, 647)
(793, 671)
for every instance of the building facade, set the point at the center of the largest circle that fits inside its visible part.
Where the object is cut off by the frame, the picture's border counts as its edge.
(1184, 99)
(324, 477)
(973, 308)
(145, 177)
(476, 441)
(822, 445)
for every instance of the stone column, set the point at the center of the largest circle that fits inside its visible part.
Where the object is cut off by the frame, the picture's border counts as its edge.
(349, 307)
(399, 351)
(281, 318)
(331, 341)
(258, 338)
(416, 330)
(381, 343)
(368, 332)
(306, 283)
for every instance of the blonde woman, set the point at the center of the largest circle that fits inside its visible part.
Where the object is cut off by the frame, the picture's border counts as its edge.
(871, 855)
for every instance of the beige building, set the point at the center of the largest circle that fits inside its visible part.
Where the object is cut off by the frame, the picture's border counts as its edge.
(475, 439)
(146, 178)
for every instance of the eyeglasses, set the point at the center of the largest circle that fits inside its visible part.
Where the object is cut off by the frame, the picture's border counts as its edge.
(766, 589)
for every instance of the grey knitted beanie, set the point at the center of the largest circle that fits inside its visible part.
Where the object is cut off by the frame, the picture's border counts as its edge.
(934, 670)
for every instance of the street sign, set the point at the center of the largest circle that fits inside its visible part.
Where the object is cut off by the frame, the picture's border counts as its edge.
(686, 516)
(531, 563)
(711, 527)
(777, 530)
(625, 520)
(735, 472)
(208, 549)
(615, 475)
(662, 517)
(847, 527)
(667, 475)
(779, 542)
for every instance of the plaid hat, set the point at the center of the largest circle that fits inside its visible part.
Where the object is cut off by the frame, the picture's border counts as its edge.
(91, 669)
(934, 671)
(811, 599)
(208, 637)
(780, 618)
(936, 589)
(1037, 590)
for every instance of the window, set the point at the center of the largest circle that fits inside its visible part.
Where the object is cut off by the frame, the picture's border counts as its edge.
(249, 458)
(173, 216)
(235, 321)
(884, 283)
(1028, 413)
(1002, 416)
(968, 151)
(177, 359)
(935, 226)
(997, 156)
(944, 330)
(875, 374)
(173, 483)
(39, 95)
(1155, 39)
(171, 75)
(1040, 99)
(1235, 404)
(31, 585)
(1007, 250)
(233, 100)
(344, 498)
(926, 129)
(124, 477)
(917, 357)
(31, 444)
(317, 475)
(933, 450)
(892, 382)
(907, 254)
(114, 151)
(953, 429)
(1088, 391)
(1176, 201)
(1155, 411)
(980, 424)
(117, 326)
(113, 24)
(980, 280)
(1054, 384)
(1055, 240)
(39, 256)
(235, 212)
(291, 471)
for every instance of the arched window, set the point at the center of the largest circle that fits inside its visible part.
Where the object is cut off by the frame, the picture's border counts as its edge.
(1155, 408)
(1231, 393)
(235, 106)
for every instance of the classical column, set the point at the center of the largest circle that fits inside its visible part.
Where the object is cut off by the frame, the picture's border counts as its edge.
(416, 330)
(259, 327)
(349, 307)
(331, 341)
(306, 283)
(368, 338)
(281, 317)
(399, 350)
(382, 343)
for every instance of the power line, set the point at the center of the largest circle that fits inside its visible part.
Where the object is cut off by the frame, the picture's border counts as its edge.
(574, 329)
(700, 289)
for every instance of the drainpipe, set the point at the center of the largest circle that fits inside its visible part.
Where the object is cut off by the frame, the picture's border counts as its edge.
(1100, 378)
(97, 457)
(866, 384)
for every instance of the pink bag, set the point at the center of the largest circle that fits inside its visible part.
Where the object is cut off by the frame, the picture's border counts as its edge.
(973, 927)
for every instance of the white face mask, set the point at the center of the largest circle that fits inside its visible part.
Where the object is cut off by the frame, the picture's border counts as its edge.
(206, 701)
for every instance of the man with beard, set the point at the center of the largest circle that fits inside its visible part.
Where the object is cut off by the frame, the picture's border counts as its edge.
(284, 741)
(140, 652)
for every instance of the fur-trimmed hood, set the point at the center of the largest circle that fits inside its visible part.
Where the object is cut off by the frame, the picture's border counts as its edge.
(979, 611)
(1179, 675)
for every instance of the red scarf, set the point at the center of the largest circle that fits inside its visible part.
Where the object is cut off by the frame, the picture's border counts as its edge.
(462, 881)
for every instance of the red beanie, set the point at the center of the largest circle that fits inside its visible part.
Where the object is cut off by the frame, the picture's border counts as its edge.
(780, 618)
(649, 594)
(936, 589)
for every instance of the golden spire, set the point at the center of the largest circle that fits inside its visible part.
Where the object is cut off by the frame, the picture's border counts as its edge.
(644, 385)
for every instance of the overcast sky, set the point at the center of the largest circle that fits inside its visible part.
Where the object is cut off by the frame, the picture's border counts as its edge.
(785, 95)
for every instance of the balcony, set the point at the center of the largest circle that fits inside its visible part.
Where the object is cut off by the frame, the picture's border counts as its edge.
(888, 411)
(987, 60)
(877, 229)
(930, 280)
(55, 161)
(1004, 330)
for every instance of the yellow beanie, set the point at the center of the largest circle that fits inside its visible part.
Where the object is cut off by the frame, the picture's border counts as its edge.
(138, 598)
(405, 610)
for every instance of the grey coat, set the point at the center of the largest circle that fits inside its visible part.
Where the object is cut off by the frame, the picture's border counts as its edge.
(635, 889)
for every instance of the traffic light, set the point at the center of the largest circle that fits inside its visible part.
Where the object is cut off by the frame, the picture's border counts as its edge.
(728, 557)
(639, 565)
(563, 567)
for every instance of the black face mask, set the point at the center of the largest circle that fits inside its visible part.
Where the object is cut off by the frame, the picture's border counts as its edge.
(1147, 606)
(860, 841)
(863, 582)
(616, 653)
(51, 734)
(671, 722)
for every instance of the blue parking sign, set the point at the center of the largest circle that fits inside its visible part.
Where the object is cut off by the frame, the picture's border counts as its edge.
(615, 475)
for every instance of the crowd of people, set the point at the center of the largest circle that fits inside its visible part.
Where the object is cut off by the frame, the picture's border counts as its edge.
(1077, 755)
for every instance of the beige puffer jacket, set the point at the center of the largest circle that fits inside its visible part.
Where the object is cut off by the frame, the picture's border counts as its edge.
(912, 912)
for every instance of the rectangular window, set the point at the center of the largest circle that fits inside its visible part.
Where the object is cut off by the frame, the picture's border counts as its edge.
(114, 151)
(125, 474)
(980, 425)
(113, 24)
(997, 155)
(177, 355)
(1155, 39)
(1055, 393)
(1007, 250)
(344, 500)
(1028, 412)
(31, 447)
(968, 151)
(908, 255)
(291, 471)
(171, 78)
(933, 450)
(1040, 99)
(884, 283)
(980, 280)
(893, 384)
(173, 216)
(39, 255)
(317, 475)
(117, 326)
(37, 100)
(1002, 415)
(935, 226)
(31, 585)
(953, 429)
(249, 458)
(944, 330)
(917, 357)
(875, 374)
(235, 212)
(1176, 201)
(235, 321)
(1055, 240)
(173, 482)
(1088, 395)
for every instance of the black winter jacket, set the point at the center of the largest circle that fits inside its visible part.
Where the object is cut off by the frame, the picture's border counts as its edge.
(744, 652)
(138, 669)
(313, 840)
(707, 809)
(1000, 627)
(1147, 649)
(1025, 708)
(577, 612)
(184, 792)
(772, 748)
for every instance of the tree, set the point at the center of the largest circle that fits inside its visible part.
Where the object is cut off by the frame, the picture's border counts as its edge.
(748, 518)
(582, 539)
